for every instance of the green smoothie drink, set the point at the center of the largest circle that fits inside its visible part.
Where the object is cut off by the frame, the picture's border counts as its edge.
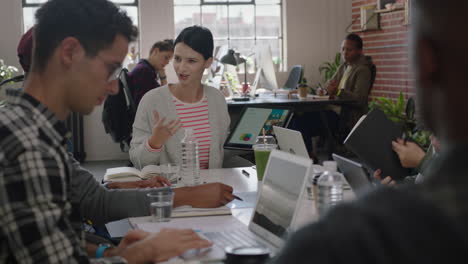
(262, 153)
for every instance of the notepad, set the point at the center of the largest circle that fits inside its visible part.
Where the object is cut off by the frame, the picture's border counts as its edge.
(123, 174)
(188, 211)
(371, 140)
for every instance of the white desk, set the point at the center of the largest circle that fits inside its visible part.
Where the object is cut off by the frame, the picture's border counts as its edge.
(241, 183)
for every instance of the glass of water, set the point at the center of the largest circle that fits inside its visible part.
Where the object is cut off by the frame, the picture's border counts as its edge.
(161, 202)
(170, 171)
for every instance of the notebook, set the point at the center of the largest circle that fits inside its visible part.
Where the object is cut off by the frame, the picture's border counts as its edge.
(354, 173)
(273, 219)
(371, 140)
(290, 141)
(251, 122)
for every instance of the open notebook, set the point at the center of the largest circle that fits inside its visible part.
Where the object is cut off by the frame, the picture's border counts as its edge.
(123, 174)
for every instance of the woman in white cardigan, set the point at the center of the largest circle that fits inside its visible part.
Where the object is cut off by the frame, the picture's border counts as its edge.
(188, 103)
(163, 111)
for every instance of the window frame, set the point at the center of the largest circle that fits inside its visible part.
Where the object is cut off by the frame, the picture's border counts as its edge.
(26, 4)
(255, 38)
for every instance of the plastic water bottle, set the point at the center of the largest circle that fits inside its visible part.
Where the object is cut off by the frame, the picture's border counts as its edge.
(330, 187)
(190, 167)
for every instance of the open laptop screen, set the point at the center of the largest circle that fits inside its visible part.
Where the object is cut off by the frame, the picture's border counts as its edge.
(354, 173)
(251, 122)
(281, 189)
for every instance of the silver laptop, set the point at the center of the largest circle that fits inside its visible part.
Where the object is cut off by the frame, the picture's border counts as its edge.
(276, 210)
(273, 219)
(290, 141)
(354, 173)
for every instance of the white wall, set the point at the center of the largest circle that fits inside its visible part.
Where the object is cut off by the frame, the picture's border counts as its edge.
(313, 31)
(10, 30)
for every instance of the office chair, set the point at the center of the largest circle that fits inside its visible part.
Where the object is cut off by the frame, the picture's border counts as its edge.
(345, 123)
(294, 77)
(373, 70)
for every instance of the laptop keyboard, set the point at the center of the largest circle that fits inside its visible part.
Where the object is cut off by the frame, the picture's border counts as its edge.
(233, 238)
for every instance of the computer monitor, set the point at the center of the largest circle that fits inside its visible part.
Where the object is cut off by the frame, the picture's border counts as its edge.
(266, 76)
(251, 122)
(216, 71)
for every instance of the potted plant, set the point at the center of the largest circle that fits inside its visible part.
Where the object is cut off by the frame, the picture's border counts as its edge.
(303, 88)
(328, 69)
(6, 72)
(403, 114)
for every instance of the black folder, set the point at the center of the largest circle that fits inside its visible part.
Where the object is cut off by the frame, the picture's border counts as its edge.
(371, 140)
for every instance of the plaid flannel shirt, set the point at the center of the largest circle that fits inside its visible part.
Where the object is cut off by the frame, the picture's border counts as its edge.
(38, 222)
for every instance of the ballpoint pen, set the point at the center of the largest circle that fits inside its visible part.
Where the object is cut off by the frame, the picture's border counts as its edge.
(237, 197)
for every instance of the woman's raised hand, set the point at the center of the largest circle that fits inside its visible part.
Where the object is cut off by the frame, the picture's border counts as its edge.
(162, 130)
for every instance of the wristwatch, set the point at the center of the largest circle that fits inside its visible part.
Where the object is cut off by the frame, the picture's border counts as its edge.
(101, 248)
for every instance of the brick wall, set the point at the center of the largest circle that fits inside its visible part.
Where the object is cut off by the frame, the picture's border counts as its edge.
(388, 48)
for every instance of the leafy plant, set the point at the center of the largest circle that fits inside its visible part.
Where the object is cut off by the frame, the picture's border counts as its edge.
(328, 69)
(6, 71)
(403, 114)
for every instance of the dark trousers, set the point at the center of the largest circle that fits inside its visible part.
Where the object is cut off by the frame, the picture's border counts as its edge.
(312, 124)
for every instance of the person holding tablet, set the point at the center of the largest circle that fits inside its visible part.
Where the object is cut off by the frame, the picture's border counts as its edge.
(412, 156)
(187, 104)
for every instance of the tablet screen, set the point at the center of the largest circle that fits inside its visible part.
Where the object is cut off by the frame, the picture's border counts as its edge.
(251, 122)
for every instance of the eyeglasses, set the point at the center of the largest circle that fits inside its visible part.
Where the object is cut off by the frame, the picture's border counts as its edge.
(115, 74)
(114, 71)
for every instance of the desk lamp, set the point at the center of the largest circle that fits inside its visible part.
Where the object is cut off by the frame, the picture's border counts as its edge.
(233, 58)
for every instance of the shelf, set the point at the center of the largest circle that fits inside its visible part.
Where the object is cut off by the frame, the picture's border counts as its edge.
(380, 11)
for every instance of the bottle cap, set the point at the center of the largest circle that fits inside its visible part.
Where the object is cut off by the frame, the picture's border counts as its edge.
(330, 165)
(188, 131)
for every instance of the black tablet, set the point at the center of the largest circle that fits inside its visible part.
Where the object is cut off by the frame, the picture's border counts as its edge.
(251, 122)
(354, 173)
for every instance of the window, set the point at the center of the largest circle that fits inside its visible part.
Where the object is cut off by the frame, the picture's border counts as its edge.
(241, 24)
(30, 7)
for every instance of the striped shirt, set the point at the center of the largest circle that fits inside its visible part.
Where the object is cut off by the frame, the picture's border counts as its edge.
(195, 116)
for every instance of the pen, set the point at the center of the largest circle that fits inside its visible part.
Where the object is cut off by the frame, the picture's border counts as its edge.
(237, 197)
(245, 173)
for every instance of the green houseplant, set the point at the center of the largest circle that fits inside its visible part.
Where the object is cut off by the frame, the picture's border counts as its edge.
(404, 115)
(328, 69)
(6, 72)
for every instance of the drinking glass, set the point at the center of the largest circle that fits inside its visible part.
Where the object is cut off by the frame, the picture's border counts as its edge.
(161, 202)
(262, 149)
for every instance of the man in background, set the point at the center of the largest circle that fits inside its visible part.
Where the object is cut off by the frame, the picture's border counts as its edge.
(352, 81)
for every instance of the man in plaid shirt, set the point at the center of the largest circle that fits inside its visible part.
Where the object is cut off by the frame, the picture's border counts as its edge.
(79, 48)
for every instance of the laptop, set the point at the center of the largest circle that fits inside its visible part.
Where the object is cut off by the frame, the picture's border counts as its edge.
(355, 174)
(251, 122)
(290, 141)
(273, 219)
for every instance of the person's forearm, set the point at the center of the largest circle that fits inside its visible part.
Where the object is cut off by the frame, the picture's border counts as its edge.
(182, 196)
